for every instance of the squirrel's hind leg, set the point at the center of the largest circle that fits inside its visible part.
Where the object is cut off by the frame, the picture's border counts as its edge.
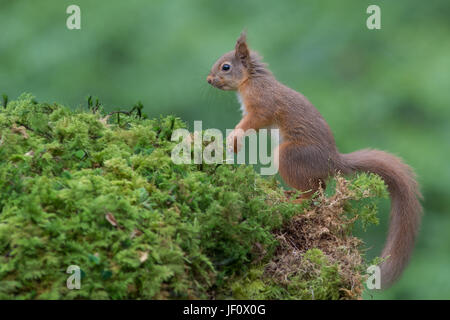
(303, 167)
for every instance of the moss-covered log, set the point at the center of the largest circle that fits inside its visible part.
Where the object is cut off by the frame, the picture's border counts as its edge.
(80, 188)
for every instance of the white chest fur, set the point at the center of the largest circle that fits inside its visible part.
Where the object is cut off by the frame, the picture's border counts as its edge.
(243, 109)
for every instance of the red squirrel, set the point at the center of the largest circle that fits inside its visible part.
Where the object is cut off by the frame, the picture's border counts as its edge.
(308, 154)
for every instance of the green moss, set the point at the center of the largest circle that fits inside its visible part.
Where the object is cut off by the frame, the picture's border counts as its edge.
(320, 280)
(197, 226)
(108, 198)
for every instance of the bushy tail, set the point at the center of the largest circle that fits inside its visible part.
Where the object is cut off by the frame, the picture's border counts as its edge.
(405, 206)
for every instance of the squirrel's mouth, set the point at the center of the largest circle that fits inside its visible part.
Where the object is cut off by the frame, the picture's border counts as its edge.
(216, 83)
(220, 86)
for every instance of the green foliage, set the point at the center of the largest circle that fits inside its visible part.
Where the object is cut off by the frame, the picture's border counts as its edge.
(366, 187)
(76, 190)
(299, 272)
(320, 280)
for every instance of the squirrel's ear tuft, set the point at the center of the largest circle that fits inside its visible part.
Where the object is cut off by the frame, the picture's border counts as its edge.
(241, 50)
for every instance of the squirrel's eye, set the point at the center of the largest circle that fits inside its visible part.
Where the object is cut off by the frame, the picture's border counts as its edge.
(226, 67)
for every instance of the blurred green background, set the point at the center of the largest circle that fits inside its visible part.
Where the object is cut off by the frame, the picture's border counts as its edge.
(386, 89)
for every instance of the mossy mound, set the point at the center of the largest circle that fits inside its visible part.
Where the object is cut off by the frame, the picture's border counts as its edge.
(79, 188)
(317, 256)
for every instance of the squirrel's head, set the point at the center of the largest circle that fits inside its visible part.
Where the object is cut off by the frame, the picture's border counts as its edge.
(235, 67)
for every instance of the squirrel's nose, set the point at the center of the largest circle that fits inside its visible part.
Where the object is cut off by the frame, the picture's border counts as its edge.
(209, 79)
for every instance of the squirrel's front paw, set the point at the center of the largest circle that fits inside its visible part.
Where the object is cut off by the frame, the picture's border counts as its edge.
(234, 141)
